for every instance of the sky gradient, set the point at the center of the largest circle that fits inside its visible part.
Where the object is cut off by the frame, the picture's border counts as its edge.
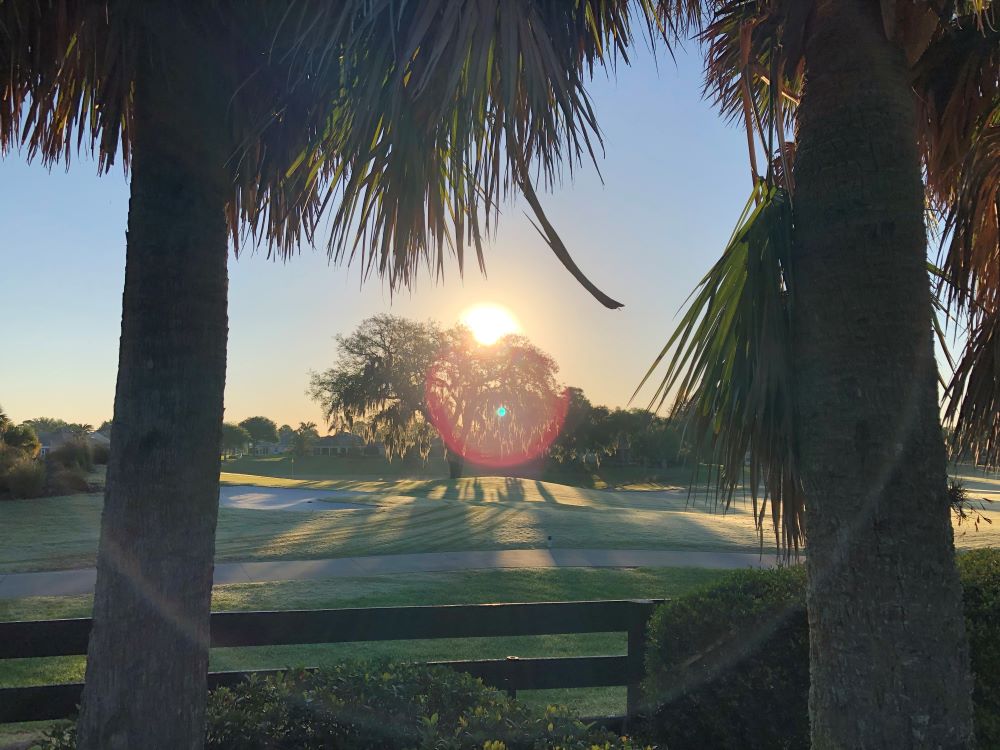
(675, 179)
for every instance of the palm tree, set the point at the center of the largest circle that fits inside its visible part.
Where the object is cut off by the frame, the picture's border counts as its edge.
(305, 436)
(810, 346)
(243, 122)
(412, 120)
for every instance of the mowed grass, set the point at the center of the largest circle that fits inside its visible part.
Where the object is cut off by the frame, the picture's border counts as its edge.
(431, 515)
(404, 516)
(472, 587)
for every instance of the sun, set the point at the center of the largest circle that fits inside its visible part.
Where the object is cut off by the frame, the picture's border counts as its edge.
(489, 322)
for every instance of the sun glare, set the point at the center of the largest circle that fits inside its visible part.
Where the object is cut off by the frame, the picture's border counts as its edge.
(489, 323)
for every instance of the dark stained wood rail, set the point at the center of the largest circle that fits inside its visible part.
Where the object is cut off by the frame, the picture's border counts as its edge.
(34, 639)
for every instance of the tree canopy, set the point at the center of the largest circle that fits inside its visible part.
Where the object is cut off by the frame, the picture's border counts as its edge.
(260, 429)
(20, 437)
(305, 436)
(402, 383)
(234, 437)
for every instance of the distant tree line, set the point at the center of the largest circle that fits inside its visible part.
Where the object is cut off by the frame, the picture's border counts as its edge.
(597, 434)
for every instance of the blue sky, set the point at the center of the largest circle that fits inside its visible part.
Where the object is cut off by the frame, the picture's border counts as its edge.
(675, 179)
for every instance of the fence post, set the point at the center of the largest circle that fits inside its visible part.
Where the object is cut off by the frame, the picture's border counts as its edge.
(509, 683)
(638, 617)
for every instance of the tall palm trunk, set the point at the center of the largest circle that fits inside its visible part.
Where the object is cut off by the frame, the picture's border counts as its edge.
(148, 656)
(889, 657)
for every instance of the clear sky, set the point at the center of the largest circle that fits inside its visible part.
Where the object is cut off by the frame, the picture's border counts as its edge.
(675, 179)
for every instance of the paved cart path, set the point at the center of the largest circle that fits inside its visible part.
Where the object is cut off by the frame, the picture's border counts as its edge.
(76, 582)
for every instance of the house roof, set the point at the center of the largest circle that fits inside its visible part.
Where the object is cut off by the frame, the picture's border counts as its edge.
(341, 439)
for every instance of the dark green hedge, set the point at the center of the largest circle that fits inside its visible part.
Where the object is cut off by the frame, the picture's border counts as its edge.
(365, 706)
(729, 665)
(980, 570)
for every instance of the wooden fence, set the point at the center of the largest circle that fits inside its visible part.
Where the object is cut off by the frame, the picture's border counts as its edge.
(31, 639)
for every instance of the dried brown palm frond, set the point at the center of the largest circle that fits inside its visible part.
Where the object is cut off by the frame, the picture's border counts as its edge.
(435, 98)
(67, 76)
(972, 258)
(957, 81)
(753, 70)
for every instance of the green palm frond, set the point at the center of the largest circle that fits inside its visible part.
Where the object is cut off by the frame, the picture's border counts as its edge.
(730, 365)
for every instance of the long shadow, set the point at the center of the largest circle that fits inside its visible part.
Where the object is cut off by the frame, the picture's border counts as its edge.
(545, 494)
(513, 489)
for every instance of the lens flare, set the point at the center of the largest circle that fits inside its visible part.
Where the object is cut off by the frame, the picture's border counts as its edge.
(496, 406)
(489, 323)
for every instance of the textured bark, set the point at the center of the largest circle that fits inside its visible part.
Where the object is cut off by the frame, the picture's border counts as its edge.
(889, 657)
(148, 654)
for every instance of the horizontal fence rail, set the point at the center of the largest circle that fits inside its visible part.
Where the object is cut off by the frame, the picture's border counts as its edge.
(45, 638)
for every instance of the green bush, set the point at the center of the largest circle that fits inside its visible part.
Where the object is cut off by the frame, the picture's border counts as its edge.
(23, 477)
(980, 571)
(66, 480)
(357, 706)
(101, 454)
(73, 454)
(729, 665)
(21, 437)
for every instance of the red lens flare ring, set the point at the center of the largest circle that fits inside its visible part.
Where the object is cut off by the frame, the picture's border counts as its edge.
(495, 406)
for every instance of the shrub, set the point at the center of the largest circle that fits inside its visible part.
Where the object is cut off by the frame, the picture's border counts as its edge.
(356, 706)
(66, 480)
(73, 454)
(24, 477)
(729, 665)
(980, 570)
(21, 437)
(101, 454)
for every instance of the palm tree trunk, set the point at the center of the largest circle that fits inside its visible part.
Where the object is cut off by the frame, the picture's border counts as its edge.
(148, 656)
(889, 657)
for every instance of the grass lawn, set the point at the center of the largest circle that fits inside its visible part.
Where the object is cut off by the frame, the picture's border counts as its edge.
(429, 515)
(473, 587)
(328, 467)
(407, 516)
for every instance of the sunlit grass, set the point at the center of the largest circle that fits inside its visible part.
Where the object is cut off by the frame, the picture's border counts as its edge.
(410, 516)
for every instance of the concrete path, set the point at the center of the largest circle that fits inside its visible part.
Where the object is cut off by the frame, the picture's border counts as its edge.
(76, 582)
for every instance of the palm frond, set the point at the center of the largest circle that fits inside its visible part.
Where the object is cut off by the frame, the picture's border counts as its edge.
(390, 128)
(754, 64)
(730, 365)
(957, 81)
(67, 74)
(973, 398)
(972, 258)
(431, 106)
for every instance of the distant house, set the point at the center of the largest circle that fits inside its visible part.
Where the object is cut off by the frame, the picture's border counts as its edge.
(341, 444)
(52, 440)
(57, 438)
(346, 444)
(267, 448)
(100, 439)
